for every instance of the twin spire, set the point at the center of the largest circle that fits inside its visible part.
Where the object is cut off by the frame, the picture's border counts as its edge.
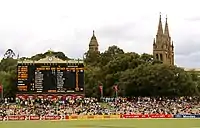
(93, 45)
(160, 28)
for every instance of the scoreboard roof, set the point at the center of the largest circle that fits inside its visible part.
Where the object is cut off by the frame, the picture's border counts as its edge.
(51, 59)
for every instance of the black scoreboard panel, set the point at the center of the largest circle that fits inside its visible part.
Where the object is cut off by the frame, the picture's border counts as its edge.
(50, 78)
(81, 79)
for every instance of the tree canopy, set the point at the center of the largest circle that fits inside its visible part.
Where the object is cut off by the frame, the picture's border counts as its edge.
(134, 74)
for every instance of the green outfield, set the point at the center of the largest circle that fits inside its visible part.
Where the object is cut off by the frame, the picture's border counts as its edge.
(123, 123)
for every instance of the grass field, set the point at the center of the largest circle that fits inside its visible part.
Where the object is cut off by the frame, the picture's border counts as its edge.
(124, 123)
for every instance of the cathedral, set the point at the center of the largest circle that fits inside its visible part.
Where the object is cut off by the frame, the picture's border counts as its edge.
(163, 48)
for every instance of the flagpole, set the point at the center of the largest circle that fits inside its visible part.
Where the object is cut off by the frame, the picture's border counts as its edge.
(116, 90)
(102, 94)
(1, 91)
(101, 89)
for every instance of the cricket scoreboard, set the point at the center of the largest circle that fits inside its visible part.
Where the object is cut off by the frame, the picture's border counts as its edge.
(50, 75)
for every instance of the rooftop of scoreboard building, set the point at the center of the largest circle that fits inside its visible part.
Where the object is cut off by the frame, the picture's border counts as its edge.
(52, 59)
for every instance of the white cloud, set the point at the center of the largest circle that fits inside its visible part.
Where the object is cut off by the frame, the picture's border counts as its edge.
(33, 26)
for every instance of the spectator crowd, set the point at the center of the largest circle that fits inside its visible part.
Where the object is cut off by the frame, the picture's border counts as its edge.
(107, 106)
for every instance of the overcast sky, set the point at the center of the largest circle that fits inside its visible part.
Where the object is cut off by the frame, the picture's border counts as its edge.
(35, 26)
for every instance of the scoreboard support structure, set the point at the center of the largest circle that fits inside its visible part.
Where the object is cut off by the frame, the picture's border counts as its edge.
(50, 76)
(77, 88)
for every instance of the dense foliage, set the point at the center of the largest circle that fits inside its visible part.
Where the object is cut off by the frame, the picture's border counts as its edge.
(134, 74)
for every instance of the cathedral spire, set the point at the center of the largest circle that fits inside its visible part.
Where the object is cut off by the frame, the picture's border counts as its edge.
(160, 29)
(93, 33)
(172, 45)
(166, 28)
(154, 41)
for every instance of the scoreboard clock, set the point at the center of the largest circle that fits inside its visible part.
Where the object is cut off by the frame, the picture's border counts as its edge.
(50, 59)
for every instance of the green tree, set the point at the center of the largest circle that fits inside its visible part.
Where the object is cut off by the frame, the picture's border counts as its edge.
(158, 80)
(195, 77)
(92, 58)
(110, 54)
(8, 76)
(92, 81)
(8, 64)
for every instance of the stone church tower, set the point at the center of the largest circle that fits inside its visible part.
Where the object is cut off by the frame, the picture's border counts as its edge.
(93, 45)
(163, 48)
